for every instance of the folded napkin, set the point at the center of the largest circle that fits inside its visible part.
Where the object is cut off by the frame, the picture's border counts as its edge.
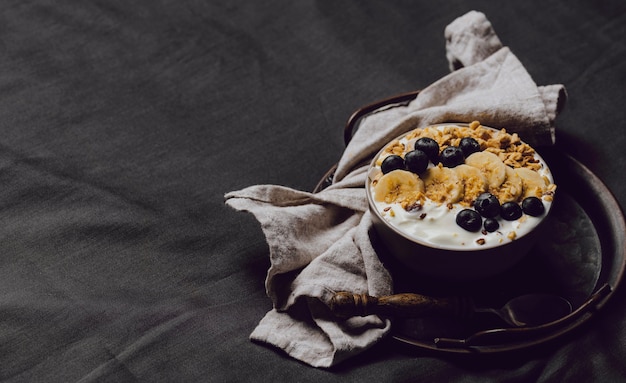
(321, 242)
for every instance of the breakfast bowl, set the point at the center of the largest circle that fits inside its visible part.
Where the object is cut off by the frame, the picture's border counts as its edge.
(459, 201)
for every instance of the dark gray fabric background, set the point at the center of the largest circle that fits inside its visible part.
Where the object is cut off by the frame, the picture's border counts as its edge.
(122, 125)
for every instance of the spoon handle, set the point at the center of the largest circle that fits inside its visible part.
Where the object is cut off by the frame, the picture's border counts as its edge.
(407, 305)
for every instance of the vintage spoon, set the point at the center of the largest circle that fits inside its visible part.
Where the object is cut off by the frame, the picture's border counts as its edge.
(525, 310)
(531, 310)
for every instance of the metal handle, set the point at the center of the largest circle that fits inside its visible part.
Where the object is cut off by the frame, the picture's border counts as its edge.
(352, 124)
(361, 112)
(507, 335)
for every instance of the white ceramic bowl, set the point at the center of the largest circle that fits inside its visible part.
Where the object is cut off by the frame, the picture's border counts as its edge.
(452, 258)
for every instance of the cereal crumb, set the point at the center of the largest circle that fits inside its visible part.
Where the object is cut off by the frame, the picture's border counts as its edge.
(414, 206)
(509, 147)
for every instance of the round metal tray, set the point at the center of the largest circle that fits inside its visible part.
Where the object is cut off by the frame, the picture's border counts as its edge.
(582, 258)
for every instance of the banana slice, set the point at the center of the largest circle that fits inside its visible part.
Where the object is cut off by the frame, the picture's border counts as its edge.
(533, 183)
(490, 165)
(473, 181)
(511, 189)
(442, 185)
(398, 186)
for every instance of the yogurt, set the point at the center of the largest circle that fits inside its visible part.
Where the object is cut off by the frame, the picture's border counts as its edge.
(432, 219)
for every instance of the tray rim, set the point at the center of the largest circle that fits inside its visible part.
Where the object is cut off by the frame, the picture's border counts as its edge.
(597, 299)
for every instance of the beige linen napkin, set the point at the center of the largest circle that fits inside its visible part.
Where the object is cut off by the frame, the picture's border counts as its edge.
(320, 242)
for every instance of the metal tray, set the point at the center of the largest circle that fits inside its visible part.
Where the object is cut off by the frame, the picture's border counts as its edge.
(582, 258)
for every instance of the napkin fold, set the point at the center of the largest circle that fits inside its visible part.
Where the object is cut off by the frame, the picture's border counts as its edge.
(321, 242)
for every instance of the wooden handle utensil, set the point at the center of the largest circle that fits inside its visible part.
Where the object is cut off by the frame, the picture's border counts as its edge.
(345, 304)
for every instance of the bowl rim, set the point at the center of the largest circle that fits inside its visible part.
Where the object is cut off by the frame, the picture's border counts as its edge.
(455, 248)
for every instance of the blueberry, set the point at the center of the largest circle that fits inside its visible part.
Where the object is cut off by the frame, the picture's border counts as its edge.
(487, 205)
(491, 224)
(533, 206)
(391, 163)
(469, 145)
(416, 161)
(469, 220)
(428, 146)
(511, 211)
(452, 156)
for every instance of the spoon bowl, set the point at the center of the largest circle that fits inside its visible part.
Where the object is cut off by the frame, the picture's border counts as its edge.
(531, 310)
